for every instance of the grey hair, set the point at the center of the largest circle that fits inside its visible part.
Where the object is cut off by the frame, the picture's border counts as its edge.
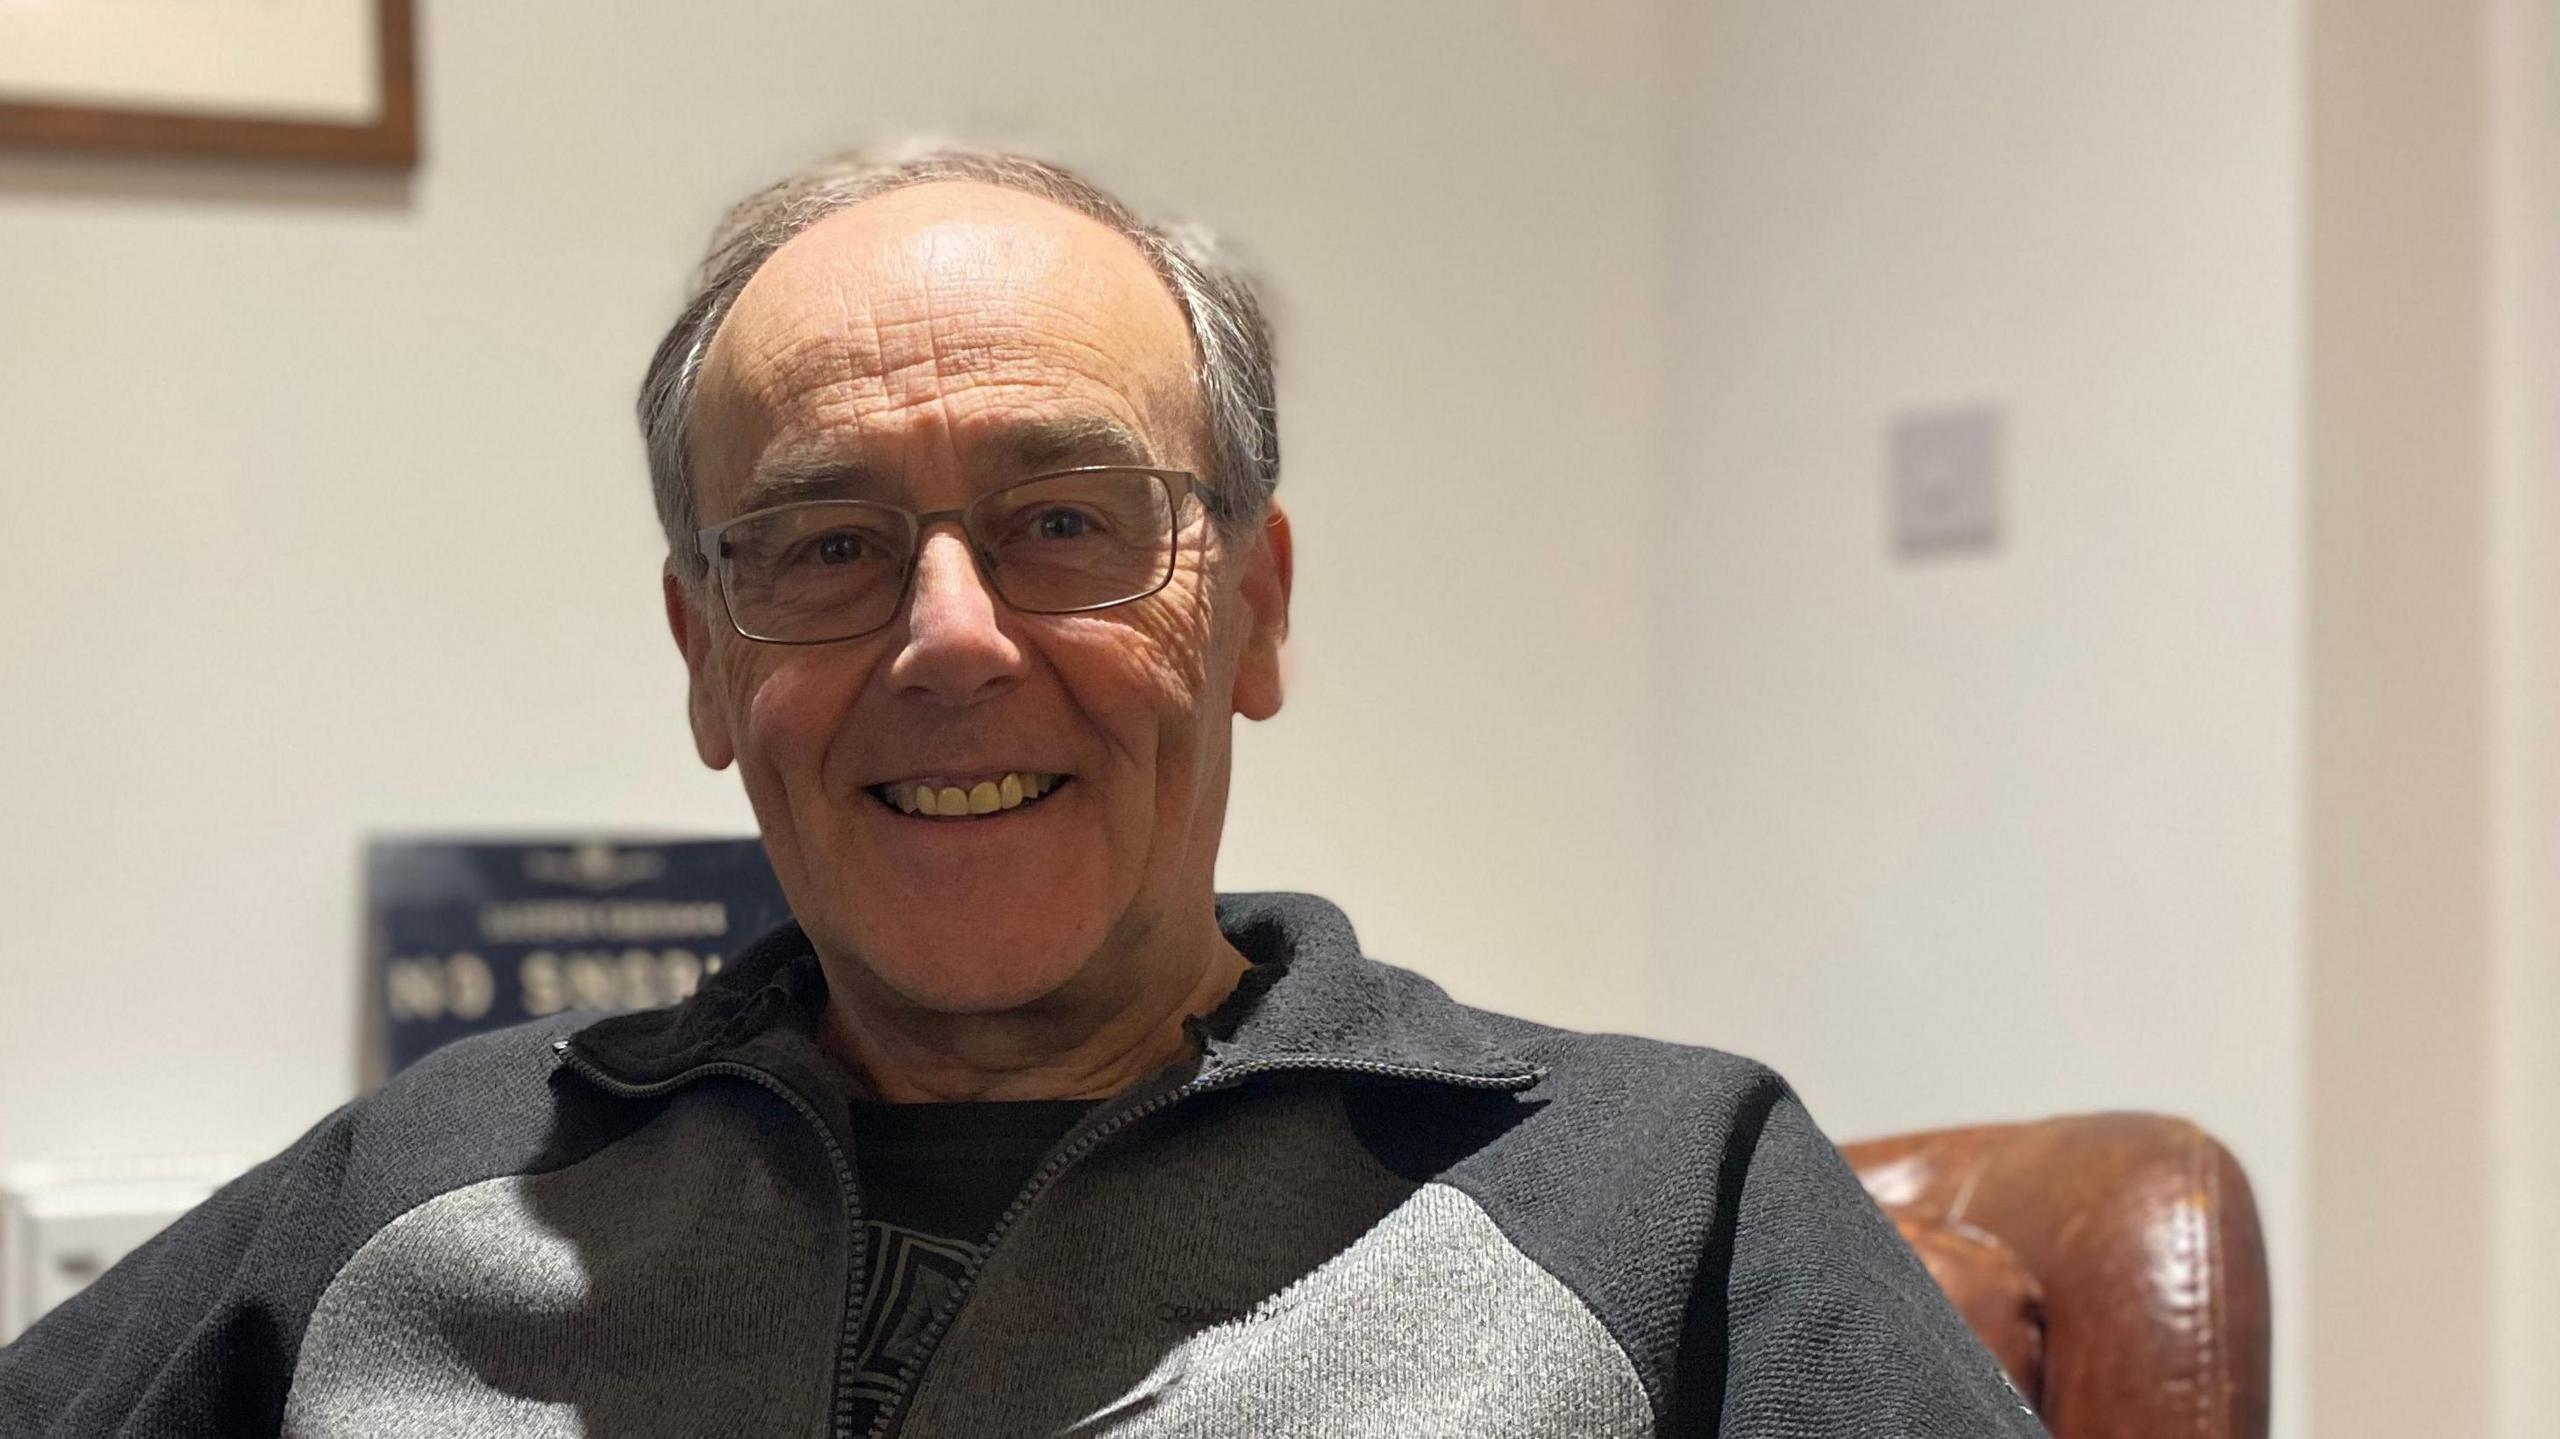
(1230, 338)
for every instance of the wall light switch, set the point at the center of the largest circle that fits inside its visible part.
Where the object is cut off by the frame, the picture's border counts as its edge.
(1946, 481)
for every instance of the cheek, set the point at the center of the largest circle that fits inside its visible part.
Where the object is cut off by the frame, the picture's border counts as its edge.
(791, 711)
(1179, 666)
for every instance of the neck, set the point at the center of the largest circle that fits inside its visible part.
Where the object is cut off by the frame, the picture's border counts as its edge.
(1090, 1041)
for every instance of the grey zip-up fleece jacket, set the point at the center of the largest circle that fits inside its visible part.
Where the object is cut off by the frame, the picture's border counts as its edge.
(1361, 1209)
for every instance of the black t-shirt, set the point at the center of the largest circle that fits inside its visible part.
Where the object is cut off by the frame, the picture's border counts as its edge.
(935, 1180)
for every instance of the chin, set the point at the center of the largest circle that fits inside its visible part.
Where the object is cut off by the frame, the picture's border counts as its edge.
(975, 976)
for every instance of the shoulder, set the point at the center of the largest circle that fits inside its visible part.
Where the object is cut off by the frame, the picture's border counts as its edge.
(478, 1108)
(1683, 1104)
(1644, 1138)
(483, 1082)
(1632, 1070)
(1620, 1123)
(509, 1058)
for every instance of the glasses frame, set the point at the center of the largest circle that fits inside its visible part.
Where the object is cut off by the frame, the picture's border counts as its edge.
(1176, 484)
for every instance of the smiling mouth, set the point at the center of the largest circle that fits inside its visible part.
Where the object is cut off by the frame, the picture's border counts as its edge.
(943, 799)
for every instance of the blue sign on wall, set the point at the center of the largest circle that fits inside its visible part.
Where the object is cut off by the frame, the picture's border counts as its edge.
(474, 936)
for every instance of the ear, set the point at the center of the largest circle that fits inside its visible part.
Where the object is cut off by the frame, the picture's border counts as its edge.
(693, 640)
(1260, 672)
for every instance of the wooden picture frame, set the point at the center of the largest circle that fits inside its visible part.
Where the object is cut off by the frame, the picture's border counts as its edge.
(390, 140)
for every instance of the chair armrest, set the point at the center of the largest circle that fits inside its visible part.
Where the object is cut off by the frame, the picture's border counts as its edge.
(2143, 1236)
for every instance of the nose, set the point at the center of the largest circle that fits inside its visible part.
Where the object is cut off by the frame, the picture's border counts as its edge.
(954, 651)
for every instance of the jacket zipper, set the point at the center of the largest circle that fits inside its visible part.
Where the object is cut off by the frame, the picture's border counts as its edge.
(840, 1421)
(892, 1418)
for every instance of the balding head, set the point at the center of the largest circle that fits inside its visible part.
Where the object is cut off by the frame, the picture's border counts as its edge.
(1231, 353)
(943, 314)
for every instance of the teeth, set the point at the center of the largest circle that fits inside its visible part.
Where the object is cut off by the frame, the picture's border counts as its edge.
(1016, 788)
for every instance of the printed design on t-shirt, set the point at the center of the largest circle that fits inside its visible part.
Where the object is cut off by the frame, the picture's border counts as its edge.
(909, 1282)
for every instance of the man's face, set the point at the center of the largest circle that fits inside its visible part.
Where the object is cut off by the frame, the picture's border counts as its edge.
(920, 349)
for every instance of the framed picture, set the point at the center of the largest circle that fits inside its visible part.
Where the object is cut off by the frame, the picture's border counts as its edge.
(332, 81)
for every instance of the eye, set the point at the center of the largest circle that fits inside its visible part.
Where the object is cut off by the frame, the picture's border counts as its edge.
(1059, 523)
(839, 547)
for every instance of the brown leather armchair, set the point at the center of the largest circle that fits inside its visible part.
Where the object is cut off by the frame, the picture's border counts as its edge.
(2112, 1262)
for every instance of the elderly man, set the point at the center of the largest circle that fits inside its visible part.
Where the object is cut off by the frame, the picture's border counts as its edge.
(1020, 1129)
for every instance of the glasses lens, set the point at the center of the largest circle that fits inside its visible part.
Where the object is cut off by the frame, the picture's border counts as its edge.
(1078, 541)
(814, 572)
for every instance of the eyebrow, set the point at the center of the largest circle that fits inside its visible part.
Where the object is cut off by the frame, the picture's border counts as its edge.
(1025, 448)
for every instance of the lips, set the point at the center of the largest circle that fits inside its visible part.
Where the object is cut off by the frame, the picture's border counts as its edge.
(967, 797)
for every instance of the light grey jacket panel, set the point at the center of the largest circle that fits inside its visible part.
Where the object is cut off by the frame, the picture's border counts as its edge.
(686, 1280)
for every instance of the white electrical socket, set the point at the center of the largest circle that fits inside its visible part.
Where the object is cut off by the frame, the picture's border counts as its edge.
(62, 1225)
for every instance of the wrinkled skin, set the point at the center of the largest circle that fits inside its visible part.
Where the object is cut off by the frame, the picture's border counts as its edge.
(921, 348)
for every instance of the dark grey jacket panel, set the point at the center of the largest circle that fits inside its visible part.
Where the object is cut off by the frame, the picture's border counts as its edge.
(196, 1332)
(183, 1338)
(1832, 1325)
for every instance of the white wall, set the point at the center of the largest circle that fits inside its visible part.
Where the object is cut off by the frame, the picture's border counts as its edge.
(2013, 834)
(328, 518)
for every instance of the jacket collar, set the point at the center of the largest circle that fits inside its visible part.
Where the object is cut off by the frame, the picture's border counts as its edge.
(1311, 1000)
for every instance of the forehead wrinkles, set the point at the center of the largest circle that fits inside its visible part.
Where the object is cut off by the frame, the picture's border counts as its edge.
(861, 327)
(902, 345)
